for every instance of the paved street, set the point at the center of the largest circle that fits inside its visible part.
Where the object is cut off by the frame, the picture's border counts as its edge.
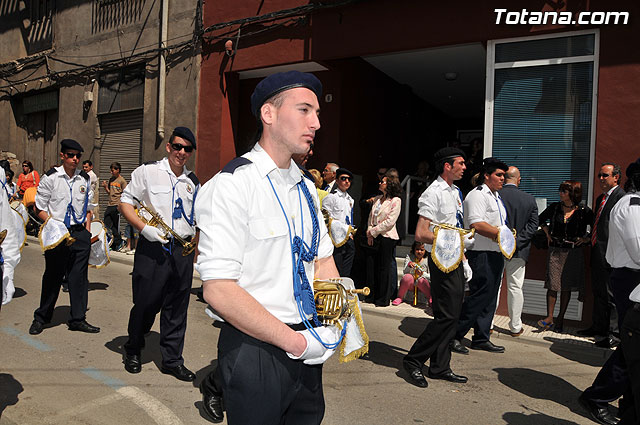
(63, 377)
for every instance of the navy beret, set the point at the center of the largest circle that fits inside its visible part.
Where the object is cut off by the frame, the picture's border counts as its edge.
(493, 163)
(186, 134)
(70, 144)
(342, 171)
(633, 168)
(448, 153)
(280, 82)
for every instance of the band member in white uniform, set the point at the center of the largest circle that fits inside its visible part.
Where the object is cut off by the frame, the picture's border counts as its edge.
(441, 203)
(161, 274)
(485, 212)
(65, 194)
(339, 205)
(262, 241)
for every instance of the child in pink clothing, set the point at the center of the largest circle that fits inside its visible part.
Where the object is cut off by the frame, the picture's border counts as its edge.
(415, 268)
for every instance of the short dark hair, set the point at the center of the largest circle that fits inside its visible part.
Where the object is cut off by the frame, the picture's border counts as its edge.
(574, 188)
(440, 164)
(115, 165)
(28, 164)
(88, 162)
(617, 171)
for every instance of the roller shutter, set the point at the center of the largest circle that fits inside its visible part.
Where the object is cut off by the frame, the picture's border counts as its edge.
(121, 139)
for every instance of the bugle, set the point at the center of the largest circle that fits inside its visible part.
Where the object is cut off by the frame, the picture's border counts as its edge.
(332, 300)
(157, 221)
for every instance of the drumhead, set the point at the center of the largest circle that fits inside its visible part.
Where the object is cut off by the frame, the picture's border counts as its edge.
(96, 228)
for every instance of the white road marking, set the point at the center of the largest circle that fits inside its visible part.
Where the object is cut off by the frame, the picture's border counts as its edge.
(157, 411)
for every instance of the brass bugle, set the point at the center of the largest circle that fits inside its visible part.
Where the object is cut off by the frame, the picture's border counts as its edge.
(452, 227)
(157, 221)
(332, 300)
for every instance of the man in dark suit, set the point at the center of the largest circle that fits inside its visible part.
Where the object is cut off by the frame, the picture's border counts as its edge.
(522, 215)
(604, 316)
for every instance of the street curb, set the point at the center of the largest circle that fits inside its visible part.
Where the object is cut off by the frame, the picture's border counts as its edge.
(531, 334)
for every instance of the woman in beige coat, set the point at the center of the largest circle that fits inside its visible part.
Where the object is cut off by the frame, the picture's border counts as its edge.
(382, 237)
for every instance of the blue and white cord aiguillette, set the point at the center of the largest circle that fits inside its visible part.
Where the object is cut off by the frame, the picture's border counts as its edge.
(301, 252)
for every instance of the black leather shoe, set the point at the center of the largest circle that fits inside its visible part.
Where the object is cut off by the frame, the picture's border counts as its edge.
(180, 372)
(132, 363)
(488, 346)
(36, 327)
(83, 326)
(212, 404)
(457, 347)
(448, 376)
(598, 414)
(415, 376)
(608, 342)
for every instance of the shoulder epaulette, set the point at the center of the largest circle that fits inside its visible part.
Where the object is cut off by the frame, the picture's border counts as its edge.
(634, 201)
(193, 178)
(149, 162)
(85, 175)
(51, 171)
(307, 174)
(235, 163)
(479, 187)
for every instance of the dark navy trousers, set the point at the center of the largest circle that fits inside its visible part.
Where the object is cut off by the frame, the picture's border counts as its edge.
(480, 306)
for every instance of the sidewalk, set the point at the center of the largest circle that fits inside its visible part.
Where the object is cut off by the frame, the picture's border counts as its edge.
(500, 325)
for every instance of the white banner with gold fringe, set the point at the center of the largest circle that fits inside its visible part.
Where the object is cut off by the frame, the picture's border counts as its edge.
(507, 241)
(52, 233)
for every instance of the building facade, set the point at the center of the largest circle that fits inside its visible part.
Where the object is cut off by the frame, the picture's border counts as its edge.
(116, 75)
(550, 87)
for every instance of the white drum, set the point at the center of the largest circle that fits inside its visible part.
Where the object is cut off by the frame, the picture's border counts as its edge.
(99, 255)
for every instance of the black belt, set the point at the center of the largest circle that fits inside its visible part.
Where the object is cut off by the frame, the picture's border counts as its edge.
(300, 326)
(77, 227)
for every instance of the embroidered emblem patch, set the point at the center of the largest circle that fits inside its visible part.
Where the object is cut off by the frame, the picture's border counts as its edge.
(189, 189)
(83, 189)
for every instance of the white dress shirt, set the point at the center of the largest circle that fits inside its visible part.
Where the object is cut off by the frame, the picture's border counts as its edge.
(339, 205)
(483, 205)
(159, 189)
(245, 236)
(440, 203)
(56, 190)
(623, 249)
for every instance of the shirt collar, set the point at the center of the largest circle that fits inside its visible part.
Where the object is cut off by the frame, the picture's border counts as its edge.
(443, 183)
(611, 191)
(164, 165)
(63, 174)
(266, 165)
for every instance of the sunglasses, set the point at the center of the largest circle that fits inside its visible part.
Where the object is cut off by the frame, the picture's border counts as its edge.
(345, 178)
(73, 155)
(603, 175)
(382, 182)
(177, 146)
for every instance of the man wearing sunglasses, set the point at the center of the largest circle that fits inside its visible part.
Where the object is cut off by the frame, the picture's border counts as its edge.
(339, 205)
(65, 194)
(604, 316)
(161, 273)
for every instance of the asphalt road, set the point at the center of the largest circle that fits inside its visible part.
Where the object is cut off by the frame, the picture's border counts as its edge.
(64, 377)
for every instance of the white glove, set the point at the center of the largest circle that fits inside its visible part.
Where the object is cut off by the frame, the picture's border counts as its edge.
(8, 289)
(316, 353)
(468, 240)
(153, 234)
(468, 274)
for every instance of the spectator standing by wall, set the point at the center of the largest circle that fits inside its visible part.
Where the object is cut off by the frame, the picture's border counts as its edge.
(114, 187)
